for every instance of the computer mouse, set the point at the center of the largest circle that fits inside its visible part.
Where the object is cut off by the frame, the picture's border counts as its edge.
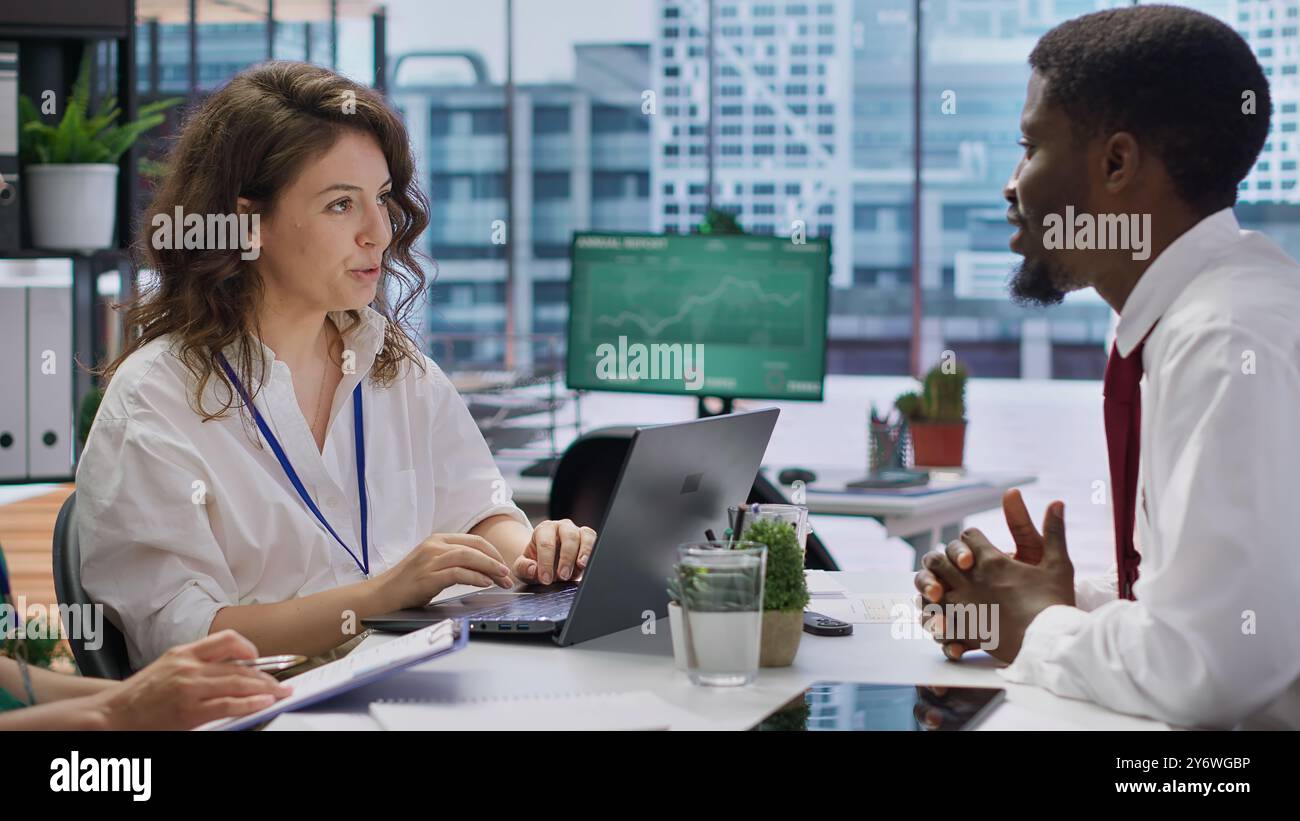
(788, 476)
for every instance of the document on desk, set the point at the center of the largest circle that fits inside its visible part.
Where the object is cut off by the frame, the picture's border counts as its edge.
(869, 609)
(638, 710)
(822, 583)
(357, 669)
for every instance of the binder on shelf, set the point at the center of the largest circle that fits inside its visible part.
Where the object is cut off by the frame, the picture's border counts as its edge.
(13, 398)
(49, 383)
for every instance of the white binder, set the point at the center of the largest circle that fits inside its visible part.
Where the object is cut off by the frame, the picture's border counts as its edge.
(13, 367)
(50, 370)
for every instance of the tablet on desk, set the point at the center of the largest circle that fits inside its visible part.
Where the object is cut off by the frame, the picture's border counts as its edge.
(849, 705)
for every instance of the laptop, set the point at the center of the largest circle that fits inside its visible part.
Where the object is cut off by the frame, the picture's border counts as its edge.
(676, 482)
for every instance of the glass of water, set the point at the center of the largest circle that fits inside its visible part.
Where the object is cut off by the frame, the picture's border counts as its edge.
(720, 588)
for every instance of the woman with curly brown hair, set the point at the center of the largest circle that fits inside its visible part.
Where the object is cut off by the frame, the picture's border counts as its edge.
(273, 453)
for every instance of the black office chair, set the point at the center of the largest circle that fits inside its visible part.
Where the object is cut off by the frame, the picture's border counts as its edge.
(584, 480)
(110, 659)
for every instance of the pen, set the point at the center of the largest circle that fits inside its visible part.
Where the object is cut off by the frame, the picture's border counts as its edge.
(270, 664)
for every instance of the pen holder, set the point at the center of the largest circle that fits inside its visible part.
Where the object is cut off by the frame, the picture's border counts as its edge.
(888, 447)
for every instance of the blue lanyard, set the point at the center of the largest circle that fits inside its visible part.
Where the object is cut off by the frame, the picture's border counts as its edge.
(358, 431)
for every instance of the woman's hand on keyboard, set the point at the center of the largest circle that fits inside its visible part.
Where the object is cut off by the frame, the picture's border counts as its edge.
(558, 551)
(437, 563)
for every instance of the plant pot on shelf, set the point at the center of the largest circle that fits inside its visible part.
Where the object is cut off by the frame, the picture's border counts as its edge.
(782, 630)
(938, 444)
(73, 206)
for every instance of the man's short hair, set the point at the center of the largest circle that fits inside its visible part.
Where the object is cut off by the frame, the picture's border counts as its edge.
(1177, 79)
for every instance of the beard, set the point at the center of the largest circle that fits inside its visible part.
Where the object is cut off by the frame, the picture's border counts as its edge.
(1037, 282)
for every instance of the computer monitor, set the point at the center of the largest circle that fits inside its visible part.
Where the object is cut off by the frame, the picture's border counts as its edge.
(725, 315)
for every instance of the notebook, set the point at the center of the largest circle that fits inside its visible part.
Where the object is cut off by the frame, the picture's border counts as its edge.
(638, 710)
(357, 669)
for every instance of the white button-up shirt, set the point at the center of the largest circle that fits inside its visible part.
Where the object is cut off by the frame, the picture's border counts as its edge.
(1213, 638)
(178, 517)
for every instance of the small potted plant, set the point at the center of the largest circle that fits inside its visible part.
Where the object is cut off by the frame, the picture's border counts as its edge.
(785, 591)
(936, 417)
(71, 168)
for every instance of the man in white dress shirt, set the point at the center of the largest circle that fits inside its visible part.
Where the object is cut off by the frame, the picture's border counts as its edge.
(1157, 113)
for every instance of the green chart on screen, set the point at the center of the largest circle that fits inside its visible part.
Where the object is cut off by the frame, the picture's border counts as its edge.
(720, 315)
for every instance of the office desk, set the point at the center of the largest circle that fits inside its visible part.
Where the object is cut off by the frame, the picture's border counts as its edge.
(921, 521)
(631, 661)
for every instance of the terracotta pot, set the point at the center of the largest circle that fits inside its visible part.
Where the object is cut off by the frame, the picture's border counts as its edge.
(938, 444)
(781, 632)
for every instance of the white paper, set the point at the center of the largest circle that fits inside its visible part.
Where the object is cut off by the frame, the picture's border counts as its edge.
(823, 583)
(337, 674)
(638, 710)
(876, 609)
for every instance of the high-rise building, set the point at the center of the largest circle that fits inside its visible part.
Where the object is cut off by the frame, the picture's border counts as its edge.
(1271, 29)
(582, 153)
(812, 113)
(812, 130)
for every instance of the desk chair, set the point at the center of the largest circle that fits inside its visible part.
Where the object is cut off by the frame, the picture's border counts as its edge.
(109, 660)
(584, 480)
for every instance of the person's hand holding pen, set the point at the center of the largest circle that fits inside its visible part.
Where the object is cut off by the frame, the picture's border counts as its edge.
(190, 685)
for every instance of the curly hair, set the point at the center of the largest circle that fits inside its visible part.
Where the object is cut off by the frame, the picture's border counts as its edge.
(1177, 79)
(250, 139)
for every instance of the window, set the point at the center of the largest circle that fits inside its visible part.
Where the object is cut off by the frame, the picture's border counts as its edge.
(550, 185)
(487, 121)
(609, 119)
(439, 122)
(488, 186)
(864, 218)
(954, 217)
(551, 119)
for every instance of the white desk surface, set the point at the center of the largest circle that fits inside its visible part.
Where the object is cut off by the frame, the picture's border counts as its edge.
(631, 660)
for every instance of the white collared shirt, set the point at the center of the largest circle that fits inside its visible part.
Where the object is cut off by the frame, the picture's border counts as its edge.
(178, 517)
(1212, 638)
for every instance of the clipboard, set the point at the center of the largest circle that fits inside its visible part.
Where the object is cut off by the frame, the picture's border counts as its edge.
(357, 669)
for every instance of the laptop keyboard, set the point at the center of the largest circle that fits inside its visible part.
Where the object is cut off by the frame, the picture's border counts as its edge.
(552, 605)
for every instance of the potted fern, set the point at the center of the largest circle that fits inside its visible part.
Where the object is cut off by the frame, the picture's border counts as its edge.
(71, 168)
(936, 417)
(785, 591)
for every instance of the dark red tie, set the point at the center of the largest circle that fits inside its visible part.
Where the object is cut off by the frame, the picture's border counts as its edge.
(1123, 411)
